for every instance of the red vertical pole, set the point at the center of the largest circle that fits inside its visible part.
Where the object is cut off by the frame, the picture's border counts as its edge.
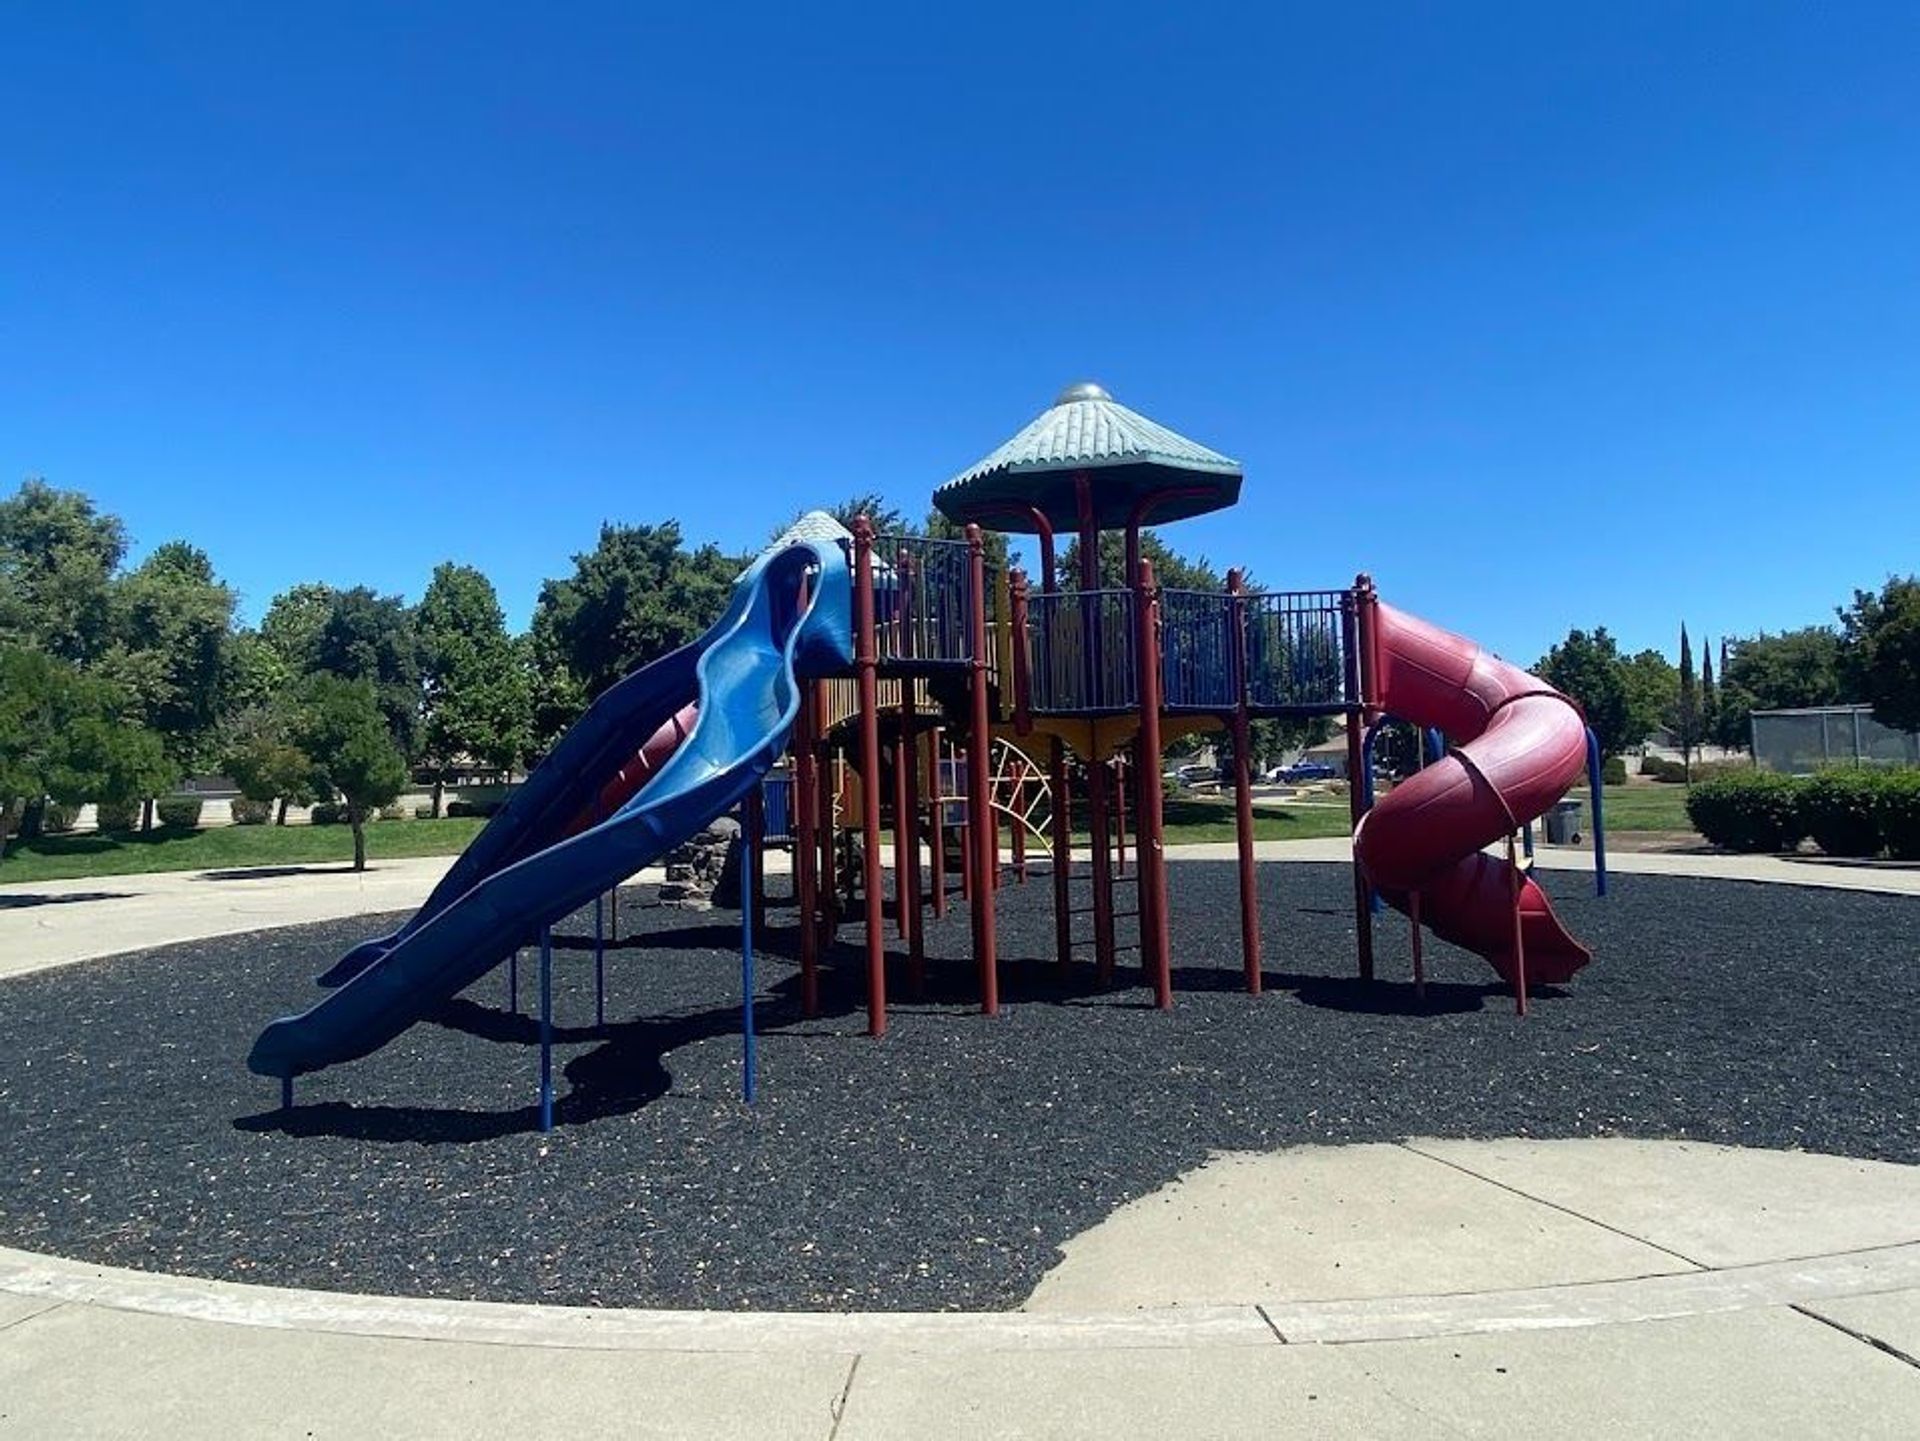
(937, 790)
(867, 662)
(806, 853)
(1102, 845)
(985, 841)
(825, 828)
(1356, 627)
(1151, 853)
(907, 816)
(1243, 784)
(1016, 821)
(1061, 824)
(1120, 816)
(902, 860)
(1419, 959)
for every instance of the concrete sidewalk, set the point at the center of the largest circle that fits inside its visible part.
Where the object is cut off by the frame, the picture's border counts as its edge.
(1430, 1288)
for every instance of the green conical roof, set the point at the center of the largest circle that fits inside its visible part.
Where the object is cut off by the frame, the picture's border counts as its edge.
(1125, 456)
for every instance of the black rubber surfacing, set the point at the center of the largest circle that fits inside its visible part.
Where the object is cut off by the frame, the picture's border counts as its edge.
(940, 1167)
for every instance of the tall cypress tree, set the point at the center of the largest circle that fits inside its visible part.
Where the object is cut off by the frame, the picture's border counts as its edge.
(1688, 716)
(1709, 697)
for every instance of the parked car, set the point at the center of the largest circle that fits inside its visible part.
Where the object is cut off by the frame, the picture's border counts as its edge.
(1194, 775)
(1307, 771)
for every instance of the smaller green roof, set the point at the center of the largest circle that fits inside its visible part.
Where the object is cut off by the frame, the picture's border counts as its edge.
(1125, 455)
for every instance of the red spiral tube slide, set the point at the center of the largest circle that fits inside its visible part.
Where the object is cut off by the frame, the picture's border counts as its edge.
(1516, 745)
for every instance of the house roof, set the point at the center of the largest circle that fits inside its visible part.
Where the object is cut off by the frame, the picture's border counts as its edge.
(1127, 458)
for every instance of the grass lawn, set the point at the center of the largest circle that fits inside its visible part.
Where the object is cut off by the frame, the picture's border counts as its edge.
(71, 857)
(1195, 820)
(1641, 808)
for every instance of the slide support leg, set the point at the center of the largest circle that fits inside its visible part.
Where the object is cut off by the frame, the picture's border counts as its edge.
(546, 1028)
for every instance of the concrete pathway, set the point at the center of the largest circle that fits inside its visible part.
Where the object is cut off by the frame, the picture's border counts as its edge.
(1496, 1289)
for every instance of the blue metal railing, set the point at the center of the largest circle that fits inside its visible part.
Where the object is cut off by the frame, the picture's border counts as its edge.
(1083, 652)
(1296, 652)
(923, 600)
(1197, 651)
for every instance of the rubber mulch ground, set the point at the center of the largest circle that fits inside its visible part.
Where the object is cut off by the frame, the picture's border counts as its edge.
(940, 1167)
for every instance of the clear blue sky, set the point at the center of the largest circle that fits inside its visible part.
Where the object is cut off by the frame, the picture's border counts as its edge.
(1544, 314)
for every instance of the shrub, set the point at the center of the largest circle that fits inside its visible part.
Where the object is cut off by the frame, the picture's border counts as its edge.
(485, 809)
(1748, 811)
(1896, 806)
(423, 813)
(179, 813)
(58, 820)
(1841, 814)
(1614, 771)
(117, 817)
(327, 813)
(395, 813)
(251, 813)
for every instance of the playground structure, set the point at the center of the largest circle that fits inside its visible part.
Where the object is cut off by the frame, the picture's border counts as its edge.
(904, 675)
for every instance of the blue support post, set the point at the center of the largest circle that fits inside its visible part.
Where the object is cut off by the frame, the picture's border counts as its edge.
(1596, 779)
(286, 1093)
(1436, 745)
(746, 975)
(513, 982)
(599, 961)
(546, 1028)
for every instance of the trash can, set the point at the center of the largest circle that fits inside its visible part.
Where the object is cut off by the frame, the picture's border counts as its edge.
(1563, 823)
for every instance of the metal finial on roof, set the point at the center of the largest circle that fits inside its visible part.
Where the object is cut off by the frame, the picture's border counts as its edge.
(1082, 390)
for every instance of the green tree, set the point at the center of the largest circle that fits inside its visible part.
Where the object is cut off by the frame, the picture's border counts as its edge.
(1587, 666)
(1653, 691)
(1776, 672)
(1685, 717)
(369, 637)
(172, 624)
(292, 625)
(476, 698)
(1880, 656)
(57, 557)
(343, 727)
(1709, 697)
(1171, 569)
(638, 594)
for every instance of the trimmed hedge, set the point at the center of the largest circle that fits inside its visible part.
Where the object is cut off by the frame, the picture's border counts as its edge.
(486, 810)
(396, 813)
(116, 818)
(1748, 811)
(1896, 806)
(1613, 772)
(1662, 769)
(251, 813)
(327, 814)
(179, 813)
(1855, 813)
(58, 820)
(1840, 812)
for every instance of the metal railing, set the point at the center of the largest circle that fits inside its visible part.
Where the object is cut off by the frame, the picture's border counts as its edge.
(1196, 651)
(1296, 656)
(922, 600)
(1083, 652)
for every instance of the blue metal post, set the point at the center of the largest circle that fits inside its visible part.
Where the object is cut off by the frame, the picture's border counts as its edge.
(286, 1093)
(746, 974)
(513, 981)
(1436, 745)
(546, 1028)
(599, 961)
(1596, 779)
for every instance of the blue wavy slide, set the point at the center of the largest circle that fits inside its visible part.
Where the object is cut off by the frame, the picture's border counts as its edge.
(789, 618)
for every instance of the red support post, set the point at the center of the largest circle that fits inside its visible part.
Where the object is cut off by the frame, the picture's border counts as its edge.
(825, 827)
(1519, 941)
(978, 807)
(806, 852)
(1243, 785)
(1120, 816)
(1102, 844)
(1419, 957)
(1061, 824)
(1155, 940)
(907, 817)
(1356, 617)
(937, 790)
(867, 663)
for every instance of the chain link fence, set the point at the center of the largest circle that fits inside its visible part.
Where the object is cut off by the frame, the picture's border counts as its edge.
(1799, 742)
